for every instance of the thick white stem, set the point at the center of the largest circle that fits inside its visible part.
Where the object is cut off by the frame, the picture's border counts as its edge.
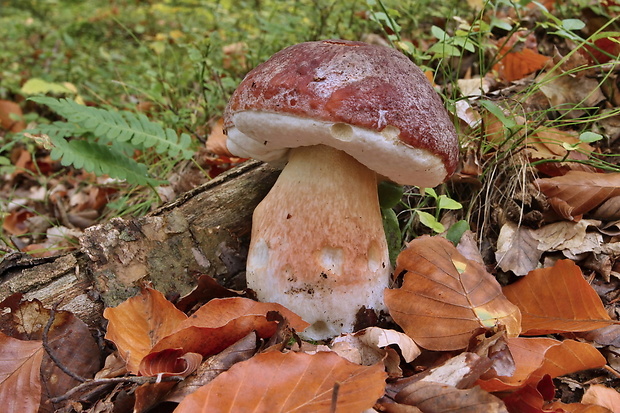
(318, 246)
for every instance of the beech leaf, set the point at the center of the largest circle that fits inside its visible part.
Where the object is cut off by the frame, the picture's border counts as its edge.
(222, 322)
(69, 338)
(600, 395)
(535, 357)
(437, 397)
(20, 374)
(557, 300)
(517, 249)
(138, 323)
(170, 362)
(445, 298)
(578, 192)
(292, 382)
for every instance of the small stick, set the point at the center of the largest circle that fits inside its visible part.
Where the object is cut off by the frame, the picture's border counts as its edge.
(335, 391)
(97, 382)
(612, 371)
(49, 351)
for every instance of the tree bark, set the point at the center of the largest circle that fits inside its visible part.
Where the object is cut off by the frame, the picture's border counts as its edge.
(204, 231)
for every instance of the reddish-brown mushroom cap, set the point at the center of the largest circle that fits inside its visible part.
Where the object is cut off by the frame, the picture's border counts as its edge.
(348, 84)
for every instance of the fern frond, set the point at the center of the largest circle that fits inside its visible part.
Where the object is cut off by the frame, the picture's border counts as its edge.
(58, 130)
(121, 126)
(100, 160)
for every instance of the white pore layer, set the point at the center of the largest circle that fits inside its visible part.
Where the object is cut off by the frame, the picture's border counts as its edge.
(268, 136)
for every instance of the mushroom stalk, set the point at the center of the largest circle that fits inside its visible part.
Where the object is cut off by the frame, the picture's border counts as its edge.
(318, 246)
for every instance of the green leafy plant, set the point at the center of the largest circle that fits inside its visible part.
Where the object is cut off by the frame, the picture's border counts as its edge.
(103, 141)
(441, 202)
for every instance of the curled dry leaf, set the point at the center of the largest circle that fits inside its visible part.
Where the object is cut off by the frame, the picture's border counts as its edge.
(379, 337)
(137, 324)
(368, 347)
(445, 298)
(20, 374)
(536, 357)
(436, 397)
(215, 365)
(170, 362)
(557, 300)
(222, 322)
(578, 192)
(292, 382)
(531, 397)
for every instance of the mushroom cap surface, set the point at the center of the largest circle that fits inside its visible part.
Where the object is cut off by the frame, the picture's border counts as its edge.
(370, 101)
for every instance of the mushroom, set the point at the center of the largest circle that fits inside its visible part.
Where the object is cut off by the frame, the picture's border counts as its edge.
(341, 115)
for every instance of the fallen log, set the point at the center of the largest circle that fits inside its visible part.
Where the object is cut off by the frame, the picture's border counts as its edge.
(204, 231)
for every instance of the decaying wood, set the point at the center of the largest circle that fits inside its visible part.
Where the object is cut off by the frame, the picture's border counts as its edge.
(205, 231)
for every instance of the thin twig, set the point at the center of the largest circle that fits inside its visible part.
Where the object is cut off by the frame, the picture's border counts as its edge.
(49, 351)
(97, 382)
(612, 371)
(335, 391)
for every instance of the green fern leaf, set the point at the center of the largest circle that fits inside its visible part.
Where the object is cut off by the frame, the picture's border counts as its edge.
(100, 160)
(121, 126)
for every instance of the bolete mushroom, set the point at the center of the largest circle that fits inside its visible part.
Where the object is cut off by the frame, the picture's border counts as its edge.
(341, 114)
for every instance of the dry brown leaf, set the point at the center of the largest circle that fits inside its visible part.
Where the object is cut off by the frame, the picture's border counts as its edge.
(170, 362)
(445, 298)
(551, 144)
(600, 50)
(517, 249)
(16, 222)
(494, 130)
(69, 339)
(605, 336)
(608, 210)
(564, 93)
(380, 338)
(398, 408)
(536, 357)
(137, 324)
(531, 397)
(370, 346)
(216, 141)
(558, 406)
(518, 57)
(149, 395)
(222, 322)
(20, 374)
(600, 395)
(518, 64)
(8, 112)
(214, 366)
(437, 398)
(460, 371)
(557, 300)
(299, 382)
(571, 237)
(577, 192)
